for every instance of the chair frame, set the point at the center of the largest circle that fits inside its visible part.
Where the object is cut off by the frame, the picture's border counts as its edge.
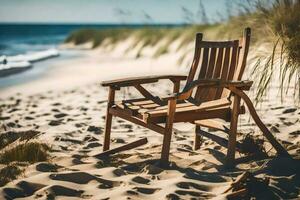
(236, 87)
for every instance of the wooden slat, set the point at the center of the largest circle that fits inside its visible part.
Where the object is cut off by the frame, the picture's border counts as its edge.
(221, 141)
(243, 54)
(217, 73)
(216, 44)
(196, 59)
(125, 147)
(147, 94)
(210, 123)
(233, 62)
(219, 112)
(192, 107)
(224, 72)
(140, 80)
(125, 115)
(203, 70)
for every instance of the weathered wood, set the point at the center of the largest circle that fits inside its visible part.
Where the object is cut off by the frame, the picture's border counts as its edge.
(238, 181)
(147, 94)
(125, 147)
(233, 131)
(141, 80)
(120, 113)
(108, 120)
(277, 146)
(221, 141)
(243, 54)
(198, 138)
(168, 133)
(210, 123)
(176, 87)
(196, 59)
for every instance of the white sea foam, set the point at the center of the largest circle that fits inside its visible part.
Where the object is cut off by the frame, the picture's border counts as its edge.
(22, 62)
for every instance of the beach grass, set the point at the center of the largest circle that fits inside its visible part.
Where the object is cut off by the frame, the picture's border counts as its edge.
(30, 152)
(9, 172)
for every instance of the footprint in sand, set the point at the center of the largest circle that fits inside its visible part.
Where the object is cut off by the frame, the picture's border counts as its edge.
(95, 129)
(24, 189)
(119, 172)
(92, 145)
(53, 191)
(193, 186)
(146, 190)
(60, 115)
(55, 123)
(47, 167)
(141, 180)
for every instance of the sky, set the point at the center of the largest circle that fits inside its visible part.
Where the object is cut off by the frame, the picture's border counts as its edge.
(110, 11)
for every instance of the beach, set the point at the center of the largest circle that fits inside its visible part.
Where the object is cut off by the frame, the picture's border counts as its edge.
(66, 108)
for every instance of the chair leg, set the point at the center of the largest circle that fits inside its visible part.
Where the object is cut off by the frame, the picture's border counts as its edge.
(108, 120)
(168, 134)
(198, 139)
(232, 133)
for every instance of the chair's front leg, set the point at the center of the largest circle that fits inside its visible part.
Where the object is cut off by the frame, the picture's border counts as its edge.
(233, 131)
(168, 132)
(110, 102)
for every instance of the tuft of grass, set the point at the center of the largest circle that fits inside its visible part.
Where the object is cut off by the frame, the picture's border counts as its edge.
(160, 51)
(9, 173)
(30, 152)
(282, 20)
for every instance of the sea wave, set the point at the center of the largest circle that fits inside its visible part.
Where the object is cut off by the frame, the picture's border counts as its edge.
(18, 63)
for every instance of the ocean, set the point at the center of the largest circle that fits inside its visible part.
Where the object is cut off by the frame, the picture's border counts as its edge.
(27, 50)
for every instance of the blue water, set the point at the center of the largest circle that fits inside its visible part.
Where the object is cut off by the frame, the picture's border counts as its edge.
(16, 39)
(23, 38)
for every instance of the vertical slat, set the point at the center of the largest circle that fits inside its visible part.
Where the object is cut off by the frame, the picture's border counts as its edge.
(205, 95)
(203, 70)
(196, 58)
(232, 66)
(217, 73)
(111, 97)
(233, 61)
(224, 71)
(243, 54)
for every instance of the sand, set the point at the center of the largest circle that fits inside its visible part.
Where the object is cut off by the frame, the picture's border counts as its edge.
(67, 108)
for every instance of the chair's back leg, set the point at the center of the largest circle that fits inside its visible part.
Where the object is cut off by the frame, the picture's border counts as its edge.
(168, 133)
(111, 97)
(233, 130)
(198, 139)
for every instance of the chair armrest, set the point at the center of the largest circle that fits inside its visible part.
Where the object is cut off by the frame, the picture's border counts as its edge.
(141, 80)
(242, 85)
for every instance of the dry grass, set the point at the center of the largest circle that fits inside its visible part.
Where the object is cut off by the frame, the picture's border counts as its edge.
(30, 152)
(9, 173)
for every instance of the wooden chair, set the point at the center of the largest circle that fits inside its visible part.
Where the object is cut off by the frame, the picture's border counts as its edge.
(213, 90)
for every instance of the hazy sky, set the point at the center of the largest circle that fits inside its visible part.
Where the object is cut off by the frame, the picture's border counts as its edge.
(106, 11)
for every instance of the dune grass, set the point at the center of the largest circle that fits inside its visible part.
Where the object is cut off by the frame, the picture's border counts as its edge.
(30, 152)
(9, 173)
(148, 36)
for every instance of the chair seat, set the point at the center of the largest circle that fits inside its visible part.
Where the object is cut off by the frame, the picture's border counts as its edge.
(151, 111)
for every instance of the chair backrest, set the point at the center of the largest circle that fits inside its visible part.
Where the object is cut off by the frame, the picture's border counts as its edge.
(225, 60)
